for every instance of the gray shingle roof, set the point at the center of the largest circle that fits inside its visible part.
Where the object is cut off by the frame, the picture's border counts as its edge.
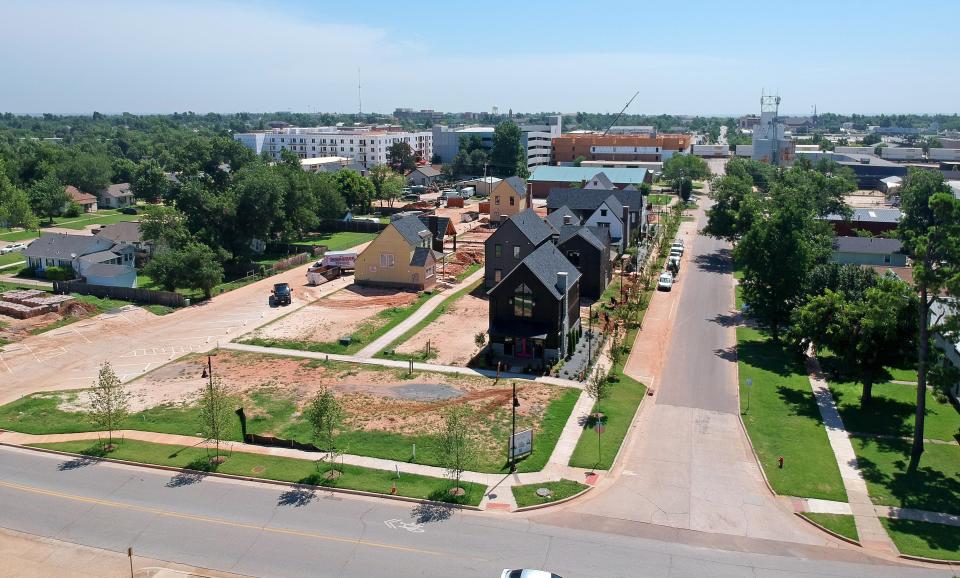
(868, 215)
(123, 232)
(555, 219)
(567, 232)
(545, 262)
(871, 245)
(590, 199)
(420, 255)
(118, 190)
(100, 256)
(615, 206)
(106, 270)
(531, 225)
(517, 184)
(410, 229)
(437, 225)
(63, 246)
(426, 171)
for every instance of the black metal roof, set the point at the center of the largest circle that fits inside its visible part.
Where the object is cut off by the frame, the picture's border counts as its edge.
(872, 245)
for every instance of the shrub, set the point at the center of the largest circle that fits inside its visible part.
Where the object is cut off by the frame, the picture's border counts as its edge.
(73, 209)
(59, 273)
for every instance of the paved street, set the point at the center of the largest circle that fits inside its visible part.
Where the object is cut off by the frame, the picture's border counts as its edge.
(262, 530)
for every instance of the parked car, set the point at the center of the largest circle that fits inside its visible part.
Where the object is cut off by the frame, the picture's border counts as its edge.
(129, 210)
(411, 197)
(677, 245)
(521, 573)
(665, 283)
(280, 294)
(13, 248)
(450, 194)
(673, 261)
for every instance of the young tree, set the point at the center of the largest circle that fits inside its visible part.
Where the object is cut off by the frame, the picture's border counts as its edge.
(508, 157)
(216, 412)
(387, 185)
(685, 189)
(456, 451)
(400, 157)
(598, 387)
(866, 333)
(200, 268)
(48, 196)
(930, 230)
(109, 402)
(324, 413)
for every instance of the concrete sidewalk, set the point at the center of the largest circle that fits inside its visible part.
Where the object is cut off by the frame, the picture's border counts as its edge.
(398, 364)
(871, 531)
(818, 506)
(419, 315)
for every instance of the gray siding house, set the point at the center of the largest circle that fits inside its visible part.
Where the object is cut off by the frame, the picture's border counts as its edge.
(868, 251)
(514, 239)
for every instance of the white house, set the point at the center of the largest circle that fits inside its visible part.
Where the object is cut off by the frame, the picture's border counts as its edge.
(609, 215)
(84, 254)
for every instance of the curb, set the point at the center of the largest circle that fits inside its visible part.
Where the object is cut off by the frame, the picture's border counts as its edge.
(753, 450)
(247, 478)
(828, 530)
(930, 560)
(549, 504)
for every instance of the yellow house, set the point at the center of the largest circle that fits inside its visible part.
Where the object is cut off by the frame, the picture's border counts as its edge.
(508, 198)
(400, 256)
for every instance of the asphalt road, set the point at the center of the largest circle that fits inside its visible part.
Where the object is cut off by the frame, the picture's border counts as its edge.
(262, 530)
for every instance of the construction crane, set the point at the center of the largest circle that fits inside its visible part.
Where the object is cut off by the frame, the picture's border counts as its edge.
(621, 113)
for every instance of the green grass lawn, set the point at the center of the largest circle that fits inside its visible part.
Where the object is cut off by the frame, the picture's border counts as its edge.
(270, 412)
(659, 199)
(338, 241)
(13, 236)
(104, 217)
(527, 495)
(892, 411)
(430, 318)
(619, 409)
(783, 420)
(13, 257)
(938, 541)
(935, 486)
(842, 524)
(367, 332)
(469, 271)
(279, 468)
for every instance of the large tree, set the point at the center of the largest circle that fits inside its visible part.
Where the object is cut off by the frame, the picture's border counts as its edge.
(150, 182)
(734, 209)
(48, 196)
(930, 230)
(866, 334)
(679, 167)
(387, 185)
(355, 190)
(89, 172)
(400, 157)
(509, 156)
(193, 266)
(15, 208)
(164, 227)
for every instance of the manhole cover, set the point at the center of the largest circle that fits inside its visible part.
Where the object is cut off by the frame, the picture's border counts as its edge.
(544, 492)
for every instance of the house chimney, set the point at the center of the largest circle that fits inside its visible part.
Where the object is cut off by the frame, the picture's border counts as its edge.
(562, 282)
(529, 195)
(567, 220)
(626, 227)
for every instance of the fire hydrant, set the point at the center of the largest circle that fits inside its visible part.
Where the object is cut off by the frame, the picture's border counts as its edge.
(780, 462)
(393, 489)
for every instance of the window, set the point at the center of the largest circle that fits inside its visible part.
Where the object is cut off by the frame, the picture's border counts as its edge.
(516, 252)
(512, 201)
(886, 258)
(386, 260)
(603, 212)
(497, 250)
(522, 301)
(574, 258)
(497, 273)
(496, 200)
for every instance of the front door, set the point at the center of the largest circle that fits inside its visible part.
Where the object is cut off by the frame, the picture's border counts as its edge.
(524, 347)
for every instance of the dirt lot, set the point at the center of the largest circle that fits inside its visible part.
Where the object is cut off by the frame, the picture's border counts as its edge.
(12, 330)
(452, 334)
(336, 315)
(375, 399)
(872, 199)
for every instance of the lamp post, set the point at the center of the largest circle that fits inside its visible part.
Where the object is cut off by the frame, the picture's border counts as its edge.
(513, 430)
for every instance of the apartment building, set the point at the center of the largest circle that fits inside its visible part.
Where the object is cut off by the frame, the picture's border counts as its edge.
(537, 140)
(366, 146)
(596, 147)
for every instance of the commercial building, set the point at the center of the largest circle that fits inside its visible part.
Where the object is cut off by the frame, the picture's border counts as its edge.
(770, 142)
(596, 147)
(870, 169)
(425, 115)
(545, 178)
(536, 140)
(366, 146)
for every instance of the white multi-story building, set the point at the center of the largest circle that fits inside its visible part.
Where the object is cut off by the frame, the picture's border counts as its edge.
(363, 146)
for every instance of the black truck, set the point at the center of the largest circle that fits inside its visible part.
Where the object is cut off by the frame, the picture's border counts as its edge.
(280, 295)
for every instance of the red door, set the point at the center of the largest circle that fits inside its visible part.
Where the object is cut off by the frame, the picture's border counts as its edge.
(524, 347)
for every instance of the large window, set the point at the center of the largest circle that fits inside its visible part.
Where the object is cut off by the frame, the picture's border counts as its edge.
(522, 301)
(497, 250)
(386, 260)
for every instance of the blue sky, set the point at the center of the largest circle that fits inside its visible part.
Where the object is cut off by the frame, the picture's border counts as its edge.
(685, 57)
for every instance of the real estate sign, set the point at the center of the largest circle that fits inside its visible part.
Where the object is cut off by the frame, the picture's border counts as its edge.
(520, 444)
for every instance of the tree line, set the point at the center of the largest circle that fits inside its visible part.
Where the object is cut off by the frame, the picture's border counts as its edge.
(782, 244)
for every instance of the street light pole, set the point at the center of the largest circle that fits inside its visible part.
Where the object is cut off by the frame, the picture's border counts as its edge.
(513, 430)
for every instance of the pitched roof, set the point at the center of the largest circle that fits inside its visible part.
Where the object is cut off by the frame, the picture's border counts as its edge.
(615, 207)
(426, 170)
(618, 176)
(106, 270)
(555, 219)
(100, 256)
(517, 184)
(410, 228)
(599, 181)
(122, 232)
(118, 190)
(439, 226)
(871, 245)
(545, 262)
(531, 226)
(64, 246)
(78, 196)
(590, 199)
(420, 255)
(568, 232)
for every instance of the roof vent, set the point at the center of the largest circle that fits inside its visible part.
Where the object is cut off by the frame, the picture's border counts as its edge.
(568, 219)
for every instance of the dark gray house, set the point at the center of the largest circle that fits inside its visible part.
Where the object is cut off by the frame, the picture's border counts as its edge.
(513, 240)
(562, 216)
(535, 310)
(584, 202)
(588, 249)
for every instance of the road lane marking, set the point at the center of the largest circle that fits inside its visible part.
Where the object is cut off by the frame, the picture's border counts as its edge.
(209, 520)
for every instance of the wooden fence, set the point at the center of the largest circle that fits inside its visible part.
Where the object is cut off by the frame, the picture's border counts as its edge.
(136, 295)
